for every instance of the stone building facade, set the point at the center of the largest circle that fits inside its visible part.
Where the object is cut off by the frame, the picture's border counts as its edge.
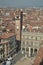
(30, 43)
(7, 45)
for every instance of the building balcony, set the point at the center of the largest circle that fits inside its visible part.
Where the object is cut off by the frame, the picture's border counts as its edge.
(4, 42)
(30, 33)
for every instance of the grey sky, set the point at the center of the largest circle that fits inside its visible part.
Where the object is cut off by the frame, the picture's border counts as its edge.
(21, 3)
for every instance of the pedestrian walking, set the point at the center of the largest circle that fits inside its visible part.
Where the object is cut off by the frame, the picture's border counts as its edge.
(4, 63)
(10, 59)
(8, 62)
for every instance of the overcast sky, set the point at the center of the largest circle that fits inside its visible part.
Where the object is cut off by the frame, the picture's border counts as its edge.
(21, 3)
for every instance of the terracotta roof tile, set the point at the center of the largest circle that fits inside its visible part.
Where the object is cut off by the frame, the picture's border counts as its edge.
(7, 35)
(39, 57)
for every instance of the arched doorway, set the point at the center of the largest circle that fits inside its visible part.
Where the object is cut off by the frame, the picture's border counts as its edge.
(31, 52)
(23, 51)
(35, 52)
(27, 51)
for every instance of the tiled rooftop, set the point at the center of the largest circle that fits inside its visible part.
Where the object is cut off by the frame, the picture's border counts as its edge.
(6, 35)
(39, 57)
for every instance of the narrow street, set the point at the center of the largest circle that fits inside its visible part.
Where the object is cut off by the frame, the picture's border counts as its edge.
(19, 59)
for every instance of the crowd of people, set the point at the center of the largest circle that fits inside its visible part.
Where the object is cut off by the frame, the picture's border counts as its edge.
(8, 61)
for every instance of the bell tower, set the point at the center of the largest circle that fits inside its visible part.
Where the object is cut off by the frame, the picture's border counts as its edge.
(18, 28)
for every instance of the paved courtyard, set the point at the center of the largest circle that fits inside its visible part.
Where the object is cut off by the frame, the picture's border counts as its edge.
(24, 61)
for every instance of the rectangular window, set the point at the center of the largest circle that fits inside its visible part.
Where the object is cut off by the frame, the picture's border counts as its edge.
(22, 36)
(23, 43)
(29, 43)
(25, 37)
(29, 37)
(32, 43)
(36, 44)
(41, 38)
(38, 38)
(33, 37)
(23, 49)
(0, 40)
(27, 49)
